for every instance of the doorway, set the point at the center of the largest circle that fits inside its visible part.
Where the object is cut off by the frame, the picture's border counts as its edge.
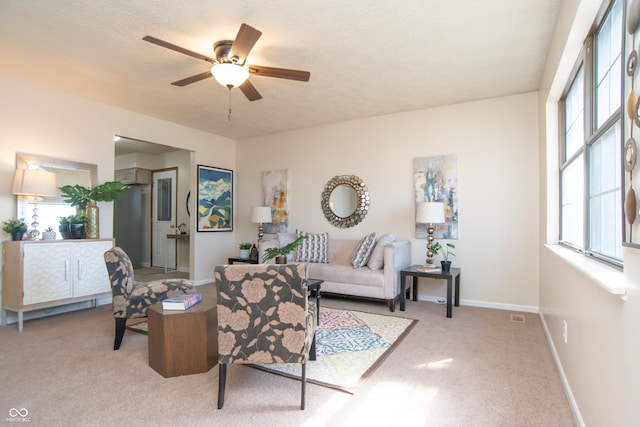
(133, 155)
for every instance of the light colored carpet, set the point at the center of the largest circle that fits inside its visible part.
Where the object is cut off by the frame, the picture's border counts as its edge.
(476, 369)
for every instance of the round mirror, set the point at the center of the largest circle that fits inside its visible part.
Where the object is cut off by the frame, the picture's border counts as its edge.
(345, 201)
(342, 201)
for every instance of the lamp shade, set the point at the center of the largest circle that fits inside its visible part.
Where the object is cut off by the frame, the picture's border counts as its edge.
(32, 182)
(261, 214)
(229, 75)
(430, 213)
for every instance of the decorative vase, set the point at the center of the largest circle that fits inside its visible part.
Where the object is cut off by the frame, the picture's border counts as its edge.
(93, 221)
(244, 253)
(16, 235)
(48, 235)
(253, 255)
(446, 265)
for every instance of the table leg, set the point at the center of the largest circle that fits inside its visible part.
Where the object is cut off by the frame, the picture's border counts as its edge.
(318, 304)
(415, 288)
(449, 296)
(457, 302)
(403, 289)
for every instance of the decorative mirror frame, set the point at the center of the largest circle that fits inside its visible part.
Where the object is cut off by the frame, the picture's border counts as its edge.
(362, 201)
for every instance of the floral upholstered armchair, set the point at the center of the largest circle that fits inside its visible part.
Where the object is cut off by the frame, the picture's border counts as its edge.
(264, 316)
(130, 298)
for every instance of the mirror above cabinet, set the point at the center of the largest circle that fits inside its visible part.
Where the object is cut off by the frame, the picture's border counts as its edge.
(345, 201)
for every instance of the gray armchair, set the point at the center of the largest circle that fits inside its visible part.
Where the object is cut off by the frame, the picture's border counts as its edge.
(264, 316)
(130, 298)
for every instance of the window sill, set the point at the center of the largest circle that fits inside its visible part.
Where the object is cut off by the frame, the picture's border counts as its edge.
(607, 278)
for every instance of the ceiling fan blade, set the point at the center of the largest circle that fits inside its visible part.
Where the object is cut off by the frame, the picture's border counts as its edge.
(192, 79)
(179, 49)
(281, 73)
(245, 40)
(250, 91)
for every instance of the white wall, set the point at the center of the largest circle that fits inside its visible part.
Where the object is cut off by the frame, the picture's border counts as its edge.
(497, 153)
(35, 119)
(599, 361)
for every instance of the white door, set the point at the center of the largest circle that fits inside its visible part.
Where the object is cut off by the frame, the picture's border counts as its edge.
(163, 201)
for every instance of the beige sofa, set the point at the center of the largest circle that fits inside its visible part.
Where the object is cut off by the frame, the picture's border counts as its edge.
(341, 278)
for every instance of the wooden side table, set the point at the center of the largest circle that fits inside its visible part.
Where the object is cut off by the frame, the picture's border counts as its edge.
(453, 274)
(183, 342)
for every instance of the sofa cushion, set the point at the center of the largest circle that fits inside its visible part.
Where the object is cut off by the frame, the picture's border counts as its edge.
(363, 251)
(337, 273)
(376, 260)
(315, 248)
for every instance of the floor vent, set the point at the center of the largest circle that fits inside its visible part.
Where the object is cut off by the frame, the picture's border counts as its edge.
(517, 318)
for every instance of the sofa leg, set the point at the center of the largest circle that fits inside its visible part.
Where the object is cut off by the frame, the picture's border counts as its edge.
(222, 380)
(392, 305)
(120, 327)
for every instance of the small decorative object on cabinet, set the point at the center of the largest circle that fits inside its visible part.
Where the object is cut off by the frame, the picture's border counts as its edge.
(15, 227)
(253, 255)
(49, 234)
(39, 275)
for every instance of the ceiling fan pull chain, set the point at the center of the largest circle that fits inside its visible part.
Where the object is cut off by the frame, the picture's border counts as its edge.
(229, 116)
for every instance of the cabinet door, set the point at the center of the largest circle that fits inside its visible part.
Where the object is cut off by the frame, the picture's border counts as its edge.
(90, 271)
(47, 272)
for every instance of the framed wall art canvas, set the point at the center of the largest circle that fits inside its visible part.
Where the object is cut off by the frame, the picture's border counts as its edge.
(436, 180)
(215, 199)
(275, 194)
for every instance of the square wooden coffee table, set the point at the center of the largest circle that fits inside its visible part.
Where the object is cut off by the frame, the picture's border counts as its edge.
(183, 342)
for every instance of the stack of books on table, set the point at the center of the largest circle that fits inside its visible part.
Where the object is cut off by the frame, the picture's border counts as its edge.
(181, 302)
(429, 268)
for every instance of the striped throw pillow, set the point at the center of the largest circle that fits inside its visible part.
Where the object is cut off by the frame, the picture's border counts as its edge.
(363, 251)
(315, 248)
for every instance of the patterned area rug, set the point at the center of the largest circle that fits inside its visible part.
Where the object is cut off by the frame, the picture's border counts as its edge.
(350, 346)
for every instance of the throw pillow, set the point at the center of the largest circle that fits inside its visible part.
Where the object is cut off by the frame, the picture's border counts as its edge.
(363, 251)
(376, 261)
(283, 240)
(315, 248)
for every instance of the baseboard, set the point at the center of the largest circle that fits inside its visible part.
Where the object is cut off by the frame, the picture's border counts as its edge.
(563, 378)
(485, 304)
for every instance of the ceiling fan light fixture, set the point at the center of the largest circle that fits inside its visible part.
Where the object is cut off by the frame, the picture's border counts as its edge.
(229, 75)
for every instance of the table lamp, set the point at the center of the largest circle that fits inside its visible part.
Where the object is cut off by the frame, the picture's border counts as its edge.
(430, 213)
(34, 183)
(260, 215)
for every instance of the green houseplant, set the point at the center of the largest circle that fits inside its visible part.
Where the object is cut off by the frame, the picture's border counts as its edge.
(85, 200)
(244, 250)
(49, 234)
(446, 251)
(72, 226)
(15, 227)
(280, 254)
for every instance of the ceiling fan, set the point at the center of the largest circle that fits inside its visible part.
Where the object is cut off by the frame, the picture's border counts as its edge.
(229, 68)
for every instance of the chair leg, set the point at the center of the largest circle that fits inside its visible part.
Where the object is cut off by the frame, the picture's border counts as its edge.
(312, 350)
(120, 327)
(304, 382)
(222, 380)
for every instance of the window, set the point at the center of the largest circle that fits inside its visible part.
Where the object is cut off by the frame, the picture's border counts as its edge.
(590, 171)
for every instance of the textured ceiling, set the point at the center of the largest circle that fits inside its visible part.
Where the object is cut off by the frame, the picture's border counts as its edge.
(365, 58)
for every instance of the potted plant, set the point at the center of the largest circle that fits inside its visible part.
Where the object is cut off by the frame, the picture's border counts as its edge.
(49, 234)
(446, 251)
(85, 200)
(15, 227)
(280, 254)
(244, 250)
(72, 226)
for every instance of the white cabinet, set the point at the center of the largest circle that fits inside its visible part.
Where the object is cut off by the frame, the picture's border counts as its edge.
(40, 274)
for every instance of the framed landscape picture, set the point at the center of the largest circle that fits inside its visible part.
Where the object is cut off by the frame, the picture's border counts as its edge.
(215, 199)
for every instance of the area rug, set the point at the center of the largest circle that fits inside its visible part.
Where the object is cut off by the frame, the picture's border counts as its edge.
(350, 345)
(141, 327)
